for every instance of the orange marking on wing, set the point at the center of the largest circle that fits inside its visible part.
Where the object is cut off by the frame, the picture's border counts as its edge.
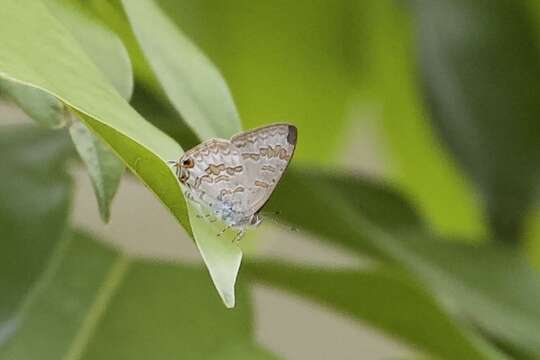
(261, 184)
(252, 156)
(222, 178)
(215, 169)
(200, 179)
(268, 168)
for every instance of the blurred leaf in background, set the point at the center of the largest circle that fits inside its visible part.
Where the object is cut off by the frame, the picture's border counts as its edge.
(383, 45)
(74, 295)
(102, 45)
(477, 62)
(34, 207)
(479, 280)
(104, 168)
(142, 147)
(387, 300)
(282, 60)
(191, 82)
(45, 109)
(94, 303)
(108, 53)
(149, 98)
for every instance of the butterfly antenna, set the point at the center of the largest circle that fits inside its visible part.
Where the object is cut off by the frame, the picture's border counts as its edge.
(175, 164)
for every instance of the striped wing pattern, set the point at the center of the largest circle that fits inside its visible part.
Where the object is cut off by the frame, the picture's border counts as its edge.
(233, 179)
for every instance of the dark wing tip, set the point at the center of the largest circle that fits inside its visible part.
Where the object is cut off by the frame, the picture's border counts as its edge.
(291, 137)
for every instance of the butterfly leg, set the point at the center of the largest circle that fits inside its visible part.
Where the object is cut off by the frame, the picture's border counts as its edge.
(223, 231)
(239, 236)
(209, 217)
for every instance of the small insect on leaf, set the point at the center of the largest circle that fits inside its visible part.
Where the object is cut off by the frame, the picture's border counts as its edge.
(233, 179)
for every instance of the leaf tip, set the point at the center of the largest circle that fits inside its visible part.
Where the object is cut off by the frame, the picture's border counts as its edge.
(104, 213)
(228, 299)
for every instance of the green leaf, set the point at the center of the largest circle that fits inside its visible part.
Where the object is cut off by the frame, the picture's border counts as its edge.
(191, 82)
(90, 294)
(158, 111)
(494, 286)
(534, 10)
(385, 43)
(111, 12)
(29, 28)
(533, 238)
(104, 168)
(101, 45)
(284, 61)
(385, 299)
(477, 62)
(480, 281)
(107, 52)
(243, 352)
(312, 198)
(221, 255)
(34, 204)
(75, 80)
(45, 109)
(73, 295)
(198, 92)
(148, 98)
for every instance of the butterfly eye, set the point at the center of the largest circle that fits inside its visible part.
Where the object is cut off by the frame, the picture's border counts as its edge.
(188, 163)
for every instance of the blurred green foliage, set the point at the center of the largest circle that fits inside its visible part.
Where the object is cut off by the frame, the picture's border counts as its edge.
(451, 225)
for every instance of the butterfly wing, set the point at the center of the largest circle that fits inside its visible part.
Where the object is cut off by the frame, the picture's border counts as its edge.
(265, 154)
(215, 168)
(234, 179)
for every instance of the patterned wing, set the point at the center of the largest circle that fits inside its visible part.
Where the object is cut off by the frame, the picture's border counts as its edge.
(210, 170)
(265, 154)
(234, 179)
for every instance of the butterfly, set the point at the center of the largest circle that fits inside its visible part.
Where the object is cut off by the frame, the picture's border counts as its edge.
(233, 179)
